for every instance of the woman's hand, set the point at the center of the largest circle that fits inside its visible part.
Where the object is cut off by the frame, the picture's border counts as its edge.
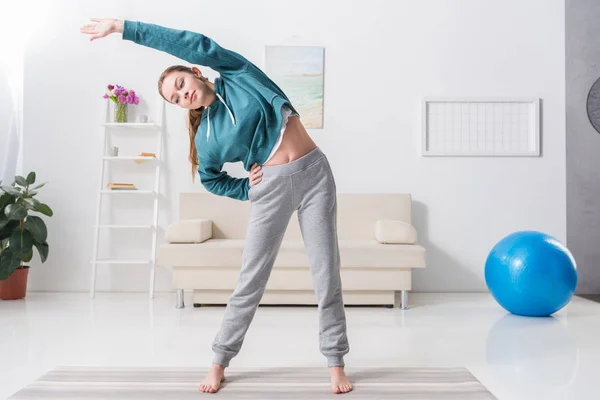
(255, 174)
(102, 27)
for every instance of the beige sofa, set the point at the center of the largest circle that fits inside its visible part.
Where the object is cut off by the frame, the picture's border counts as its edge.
(378, 251)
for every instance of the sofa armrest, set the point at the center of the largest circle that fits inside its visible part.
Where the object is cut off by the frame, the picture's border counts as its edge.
(396, 232)
(189, 231)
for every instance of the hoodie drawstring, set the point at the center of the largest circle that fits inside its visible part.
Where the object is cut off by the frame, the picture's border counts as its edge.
(228, 109)
(226, 106)
(208, 129)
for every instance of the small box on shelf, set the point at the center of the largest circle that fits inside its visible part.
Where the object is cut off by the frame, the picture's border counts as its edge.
(143, 157)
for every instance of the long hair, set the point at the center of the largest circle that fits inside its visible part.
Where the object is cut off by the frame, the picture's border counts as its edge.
(194, 117)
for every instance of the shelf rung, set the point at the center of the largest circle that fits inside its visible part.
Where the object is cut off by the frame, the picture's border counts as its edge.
(130, 158)
(121, 262)
(128, 191)
(126, 226)
(131, 125)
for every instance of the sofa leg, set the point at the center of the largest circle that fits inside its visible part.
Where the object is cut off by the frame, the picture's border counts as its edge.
(404, 300)
(180, 303)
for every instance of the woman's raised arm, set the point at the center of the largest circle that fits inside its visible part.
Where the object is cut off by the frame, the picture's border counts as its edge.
(190, 46)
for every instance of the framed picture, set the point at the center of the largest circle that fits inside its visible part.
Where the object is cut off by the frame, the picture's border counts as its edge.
(463, 126)
(298, 71)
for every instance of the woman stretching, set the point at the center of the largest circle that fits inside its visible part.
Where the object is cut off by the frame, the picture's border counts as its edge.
(244, 116)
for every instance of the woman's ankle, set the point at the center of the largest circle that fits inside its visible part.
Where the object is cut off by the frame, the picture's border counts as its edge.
(221, 360)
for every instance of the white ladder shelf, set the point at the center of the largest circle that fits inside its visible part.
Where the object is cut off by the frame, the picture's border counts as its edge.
(157, 128)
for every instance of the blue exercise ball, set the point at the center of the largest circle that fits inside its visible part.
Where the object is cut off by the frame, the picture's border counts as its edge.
(531, 274)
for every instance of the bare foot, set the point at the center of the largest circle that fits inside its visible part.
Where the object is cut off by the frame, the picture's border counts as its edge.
(339, 381)
(213, 380)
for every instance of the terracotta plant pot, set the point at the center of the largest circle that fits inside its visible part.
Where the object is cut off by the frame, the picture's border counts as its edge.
(15, 286)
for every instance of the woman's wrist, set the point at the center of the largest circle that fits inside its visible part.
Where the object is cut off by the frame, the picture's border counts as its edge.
(118, 25)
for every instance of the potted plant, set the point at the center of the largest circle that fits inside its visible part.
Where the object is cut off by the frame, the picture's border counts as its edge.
(19, 234)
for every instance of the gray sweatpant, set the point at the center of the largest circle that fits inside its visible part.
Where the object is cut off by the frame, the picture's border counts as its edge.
(306, 185)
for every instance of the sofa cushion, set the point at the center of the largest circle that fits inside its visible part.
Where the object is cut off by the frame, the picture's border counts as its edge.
(189, 231)
(353, 253)
(395, 232)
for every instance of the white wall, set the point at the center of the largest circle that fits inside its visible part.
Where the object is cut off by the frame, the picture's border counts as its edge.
(382, 57)
(6, 129)
(11, 91)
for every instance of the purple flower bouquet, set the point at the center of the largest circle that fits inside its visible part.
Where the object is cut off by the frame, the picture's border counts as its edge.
(121, 97)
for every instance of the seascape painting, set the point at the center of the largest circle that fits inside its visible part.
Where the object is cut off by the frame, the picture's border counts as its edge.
(298, 71)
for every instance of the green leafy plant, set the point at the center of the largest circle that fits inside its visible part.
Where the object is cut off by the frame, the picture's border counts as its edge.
(19, 231)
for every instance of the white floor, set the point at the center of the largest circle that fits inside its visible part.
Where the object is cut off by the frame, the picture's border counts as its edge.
(515, 357)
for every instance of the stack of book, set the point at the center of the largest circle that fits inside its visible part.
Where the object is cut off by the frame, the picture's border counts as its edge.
(121, 186)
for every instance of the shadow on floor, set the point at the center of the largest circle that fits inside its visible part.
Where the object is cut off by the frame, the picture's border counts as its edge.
(593, 297)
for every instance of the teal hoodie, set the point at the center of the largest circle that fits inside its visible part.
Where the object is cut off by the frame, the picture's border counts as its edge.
(242, 124)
